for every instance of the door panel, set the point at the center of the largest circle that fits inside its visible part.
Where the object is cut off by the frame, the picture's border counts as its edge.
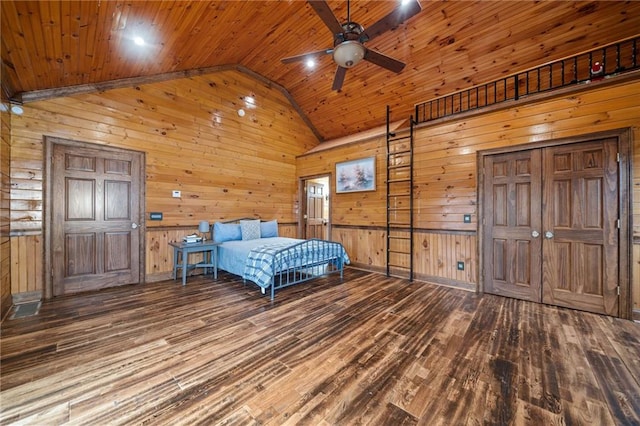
(95, 210)
(573, 201)
(511, 251)
(315, 222)
(580, 251)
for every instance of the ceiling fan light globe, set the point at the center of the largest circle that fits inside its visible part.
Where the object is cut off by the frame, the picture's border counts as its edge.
(348, 53)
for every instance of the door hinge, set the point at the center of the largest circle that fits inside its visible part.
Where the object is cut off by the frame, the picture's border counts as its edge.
(618, 290)
(618, 157)
(618, 223)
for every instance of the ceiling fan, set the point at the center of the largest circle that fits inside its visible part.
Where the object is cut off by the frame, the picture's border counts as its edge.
(349, 38)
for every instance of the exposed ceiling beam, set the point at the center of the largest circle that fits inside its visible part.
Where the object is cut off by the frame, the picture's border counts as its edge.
(366, 135)
(39, 95)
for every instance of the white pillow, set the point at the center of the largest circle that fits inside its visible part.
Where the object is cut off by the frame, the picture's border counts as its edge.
(250, 229)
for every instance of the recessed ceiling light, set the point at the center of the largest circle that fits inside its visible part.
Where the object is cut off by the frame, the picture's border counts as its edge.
(139, 41)
(17, 109)
(310, 63)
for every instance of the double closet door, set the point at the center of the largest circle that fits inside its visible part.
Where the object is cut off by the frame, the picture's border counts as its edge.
(550, 229)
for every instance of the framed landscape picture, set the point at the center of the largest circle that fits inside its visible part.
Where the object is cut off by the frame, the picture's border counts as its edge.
(356, 175)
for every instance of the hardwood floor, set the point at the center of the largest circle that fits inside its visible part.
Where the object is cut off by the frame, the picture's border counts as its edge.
(369, 350)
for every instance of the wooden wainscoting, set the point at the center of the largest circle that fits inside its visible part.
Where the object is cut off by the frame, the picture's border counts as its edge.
(27, 255)
(363, 350)
(635, 272)
(26, 268)
(159, 255)
(365, 245)
(436, 253)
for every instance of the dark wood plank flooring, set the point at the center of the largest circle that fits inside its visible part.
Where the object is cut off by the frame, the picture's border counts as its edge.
(368, 350)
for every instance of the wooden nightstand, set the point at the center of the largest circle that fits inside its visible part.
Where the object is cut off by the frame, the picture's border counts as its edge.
(209, 249)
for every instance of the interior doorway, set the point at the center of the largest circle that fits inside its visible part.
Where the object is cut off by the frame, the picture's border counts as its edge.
(316, 207)
(94, 210)
(555, 225)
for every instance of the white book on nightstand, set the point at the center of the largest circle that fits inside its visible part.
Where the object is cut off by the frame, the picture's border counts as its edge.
(192, 239)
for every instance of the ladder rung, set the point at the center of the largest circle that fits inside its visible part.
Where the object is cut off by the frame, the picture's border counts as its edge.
(399, 138)
(397, 224)
(398, 180)
(399, 252)
(399, 152)
(398, 209)
(399, 195)
(398, 266)
(398, 237)
(399, 166)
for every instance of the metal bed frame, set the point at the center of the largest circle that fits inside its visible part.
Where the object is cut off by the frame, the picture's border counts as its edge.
(305, 261)
(288, 268)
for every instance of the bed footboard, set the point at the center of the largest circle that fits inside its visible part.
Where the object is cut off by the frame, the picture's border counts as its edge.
(307, 260)
(282, 265)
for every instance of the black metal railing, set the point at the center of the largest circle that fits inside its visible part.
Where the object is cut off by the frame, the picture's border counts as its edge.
(597, 64)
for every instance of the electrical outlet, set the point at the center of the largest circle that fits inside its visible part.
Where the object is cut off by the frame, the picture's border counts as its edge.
(467, 218)
(460, 266)
(176, 194)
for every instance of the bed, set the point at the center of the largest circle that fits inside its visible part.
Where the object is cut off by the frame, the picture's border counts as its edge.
(253, 250)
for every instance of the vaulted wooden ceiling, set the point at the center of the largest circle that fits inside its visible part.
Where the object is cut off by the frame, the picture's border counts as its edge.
(447, 47)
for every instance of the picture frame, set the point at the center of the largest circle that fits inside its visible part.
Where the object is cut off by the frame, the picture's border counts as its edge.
(356, 175)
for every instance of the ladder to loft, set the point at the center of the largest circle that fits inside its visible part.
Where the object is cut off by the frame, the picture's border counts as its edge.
(400, 200)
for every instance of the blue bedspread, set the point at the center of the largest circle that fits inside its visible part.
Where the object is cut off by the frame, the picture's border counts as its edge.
(265, 261)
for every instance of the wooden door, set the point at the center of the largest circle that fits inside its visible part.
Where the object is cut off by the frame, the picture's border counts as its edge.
(512, 249)
(551, 225)
(580, 250)
(316, 222)
(95, 217)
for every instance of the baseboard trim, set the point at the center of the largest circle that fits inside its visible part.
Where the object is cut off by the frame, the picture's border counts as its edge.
(160, 276)
(26, 297)
(164, 276)
(447, 282)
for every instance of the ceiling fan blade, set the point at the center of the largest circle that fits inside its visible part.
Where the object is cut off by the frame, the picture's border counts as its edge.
(304, 56)
(392, 20)
(339, 78)
(383, 60)
(326, 14)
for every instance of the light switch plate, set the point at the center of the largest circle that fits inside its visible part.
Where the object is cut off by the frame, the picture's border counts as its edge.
(460, 266)
(467, 218)
(176, 194)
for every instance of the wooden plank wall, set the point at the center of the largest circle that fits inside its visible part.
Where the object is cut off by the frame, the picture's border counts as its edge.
(226, 166)
(5, 192)
(436, 253)
(26, 267)
(445, 177)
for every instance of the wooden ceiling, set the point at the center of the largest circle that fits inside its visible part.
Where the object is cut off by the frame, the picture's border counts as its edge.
(447, 47)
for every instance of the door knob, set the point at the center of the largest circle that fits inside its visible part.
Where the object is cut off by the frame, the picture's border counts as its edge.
(134, 225)
(548, 235)
(535, 234)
